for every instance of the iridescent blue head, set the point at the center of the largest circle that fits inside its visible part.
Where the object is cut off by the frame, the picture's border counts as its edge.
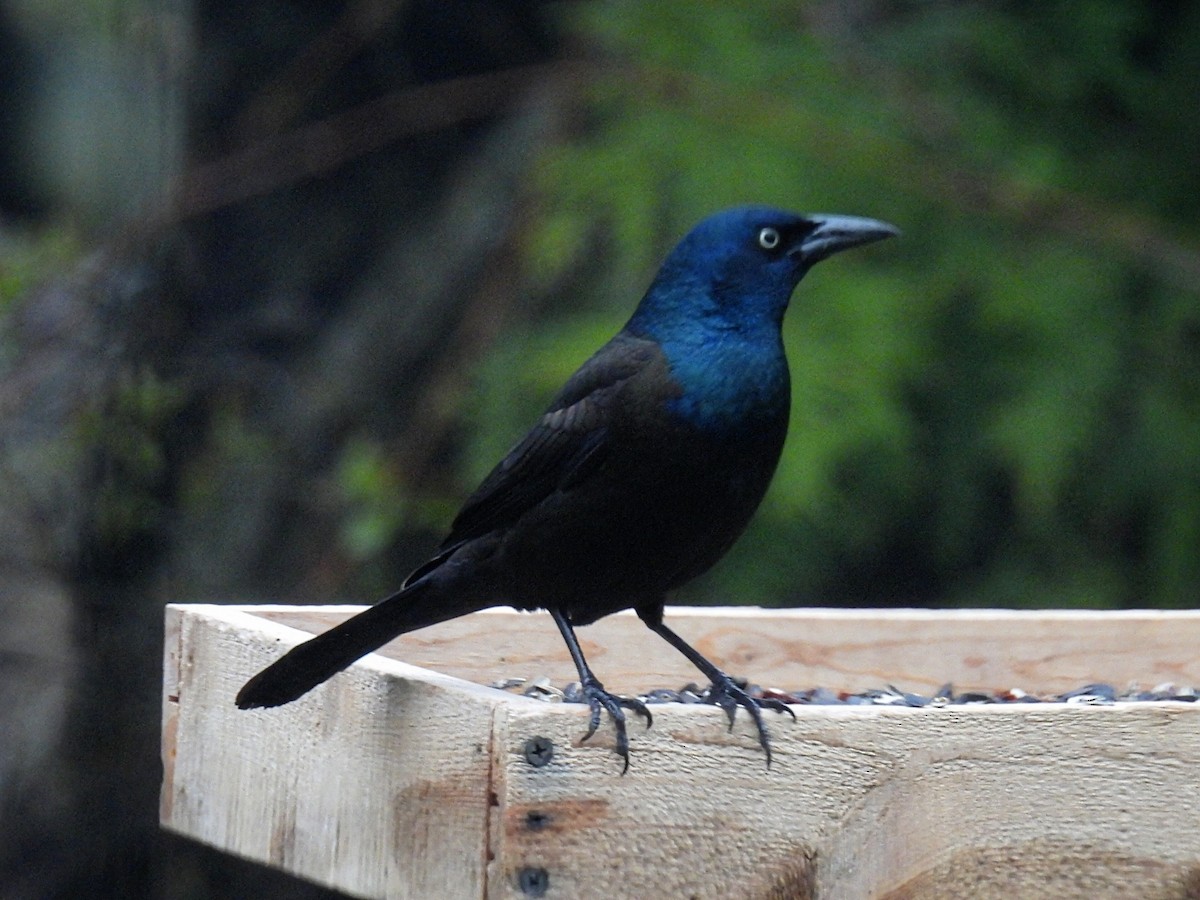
(741, 265)
(717, 304)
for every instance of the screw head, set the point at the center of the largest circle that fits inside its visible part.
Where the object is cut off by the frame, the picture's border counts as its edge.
(534, 881)
(539, 751)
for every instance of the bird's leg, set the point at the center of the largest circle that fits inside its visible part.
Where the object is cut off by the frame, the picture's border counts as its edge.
(597, 697)
(725, 693)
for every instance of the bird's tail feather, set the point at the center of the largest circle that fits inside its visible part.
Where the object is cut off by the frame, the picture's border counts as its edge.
(304, 667)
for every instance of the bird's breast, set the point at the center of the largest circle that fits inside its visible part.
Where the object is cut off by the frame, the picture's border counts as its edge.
(730, 385)
(687, 456)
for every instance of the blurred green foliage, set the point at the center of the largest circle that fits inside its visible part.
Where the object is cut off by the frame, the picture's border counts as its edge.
(125, 439)
(29, 258)
(373, 500)
(999, 408)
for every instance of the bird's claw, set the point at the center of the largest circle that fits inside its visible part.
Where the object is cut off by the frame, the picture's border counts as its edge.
(598, 699)
(726, 694)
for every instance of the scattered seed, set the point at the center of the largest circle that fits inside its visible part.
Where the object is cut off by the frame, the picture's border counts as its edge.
(1095, 694)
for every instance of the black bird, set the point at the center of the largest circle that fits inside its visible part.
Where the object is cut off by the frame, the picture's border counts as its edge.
(642, 473)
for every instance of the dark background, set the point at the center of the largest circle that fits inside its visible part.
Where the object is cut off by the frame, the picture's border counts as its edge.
(279, 282)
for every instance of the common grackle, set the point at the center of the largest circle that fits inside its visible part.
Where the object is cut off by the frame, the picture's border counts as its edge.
(641, 474)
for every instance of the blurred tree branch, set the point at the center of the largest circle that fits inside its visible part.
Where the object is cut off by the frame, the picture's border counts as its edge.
(269, 163)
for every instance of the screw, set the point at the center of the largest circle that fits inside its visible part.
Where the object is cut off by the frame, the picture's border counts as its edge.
(534, 882)
(539, 751)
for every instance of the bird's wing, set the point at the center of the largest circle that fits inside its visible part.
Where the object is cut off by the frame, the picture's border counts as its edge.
(564, 446)
(561, 449)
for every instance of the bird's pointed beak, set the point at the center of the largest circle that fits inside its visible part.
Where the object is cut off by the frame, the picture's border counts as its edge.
(833, 234)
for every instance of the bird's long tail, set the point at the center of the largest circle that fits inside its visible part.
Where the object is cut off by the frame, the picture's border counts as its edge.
(304, 667)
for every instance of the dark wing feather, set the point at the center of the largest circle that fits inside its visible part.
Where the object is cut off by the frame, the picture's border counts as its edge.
(562, 448)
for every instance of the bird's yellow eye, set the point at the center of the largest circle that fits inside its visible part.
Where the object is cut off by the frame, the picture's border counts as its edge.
(768, 238)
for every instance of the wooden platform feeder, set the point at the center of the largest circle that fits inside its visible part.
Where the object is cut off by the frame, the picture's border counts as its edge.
(412, 779)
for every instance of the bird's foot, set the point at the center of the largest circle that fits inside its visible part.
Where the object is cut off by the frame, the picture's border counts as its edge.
(615, 705)
(728, 695)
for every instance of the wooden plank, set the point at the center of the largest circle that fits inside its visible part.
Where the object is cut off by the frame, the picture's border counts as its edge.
(376, 784)
(915, 649)
(980, 802)
(397, 781)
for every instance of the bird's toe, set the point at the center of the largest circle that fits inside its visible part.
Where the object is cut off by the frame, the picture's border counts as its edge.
(601, 701)
(728, 695)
